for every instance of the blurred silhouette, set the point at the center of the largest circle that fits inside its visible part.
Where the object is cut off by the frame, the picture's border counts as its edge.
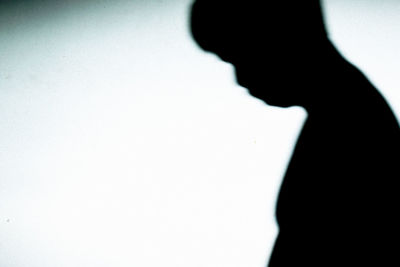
(338, 202)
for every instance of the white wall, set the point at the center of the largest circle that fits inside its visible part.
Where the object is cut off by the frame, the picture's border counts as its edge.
(122, 144)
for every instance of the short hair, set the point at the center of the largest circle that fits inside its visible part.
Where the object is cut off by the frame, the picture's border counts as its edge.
(240, 20)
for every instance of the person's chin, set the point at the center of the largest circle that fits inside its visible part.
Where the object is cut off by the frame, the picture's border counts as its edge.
(276, 103)
(269, 100)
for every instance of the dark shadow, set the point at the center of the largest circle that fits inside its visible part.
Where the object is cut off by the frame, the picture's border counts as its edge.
(338, 202)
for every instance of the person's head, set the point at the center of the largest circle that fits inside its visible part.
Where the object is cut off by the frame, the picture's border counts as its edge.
(275, 46)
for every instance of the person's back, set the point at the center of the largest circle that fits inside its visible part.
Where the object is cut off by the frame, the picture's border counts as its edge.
(337, 204)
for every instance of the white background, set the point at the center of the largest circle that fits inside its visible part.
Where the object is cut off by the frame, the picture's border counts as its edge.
(123, 144)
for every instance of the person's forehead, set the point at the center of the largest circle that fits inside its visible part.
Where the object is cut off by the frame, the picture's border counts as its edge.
(226, 29)
(251, 12)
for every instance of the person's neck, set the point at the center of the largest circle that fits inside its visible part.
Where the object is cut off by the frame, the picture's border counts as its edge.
(335, 84)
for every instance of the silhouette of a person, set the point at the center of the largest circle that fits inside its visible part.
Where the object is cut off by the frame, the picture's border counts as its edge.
(339, 199)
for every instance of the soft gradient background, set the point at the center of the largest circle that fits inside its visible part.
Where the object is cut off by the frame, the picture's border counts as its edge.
(123, 144)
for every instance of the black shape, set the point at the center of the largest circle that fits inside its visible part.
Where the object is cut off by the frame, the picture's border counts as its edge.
(339, 199)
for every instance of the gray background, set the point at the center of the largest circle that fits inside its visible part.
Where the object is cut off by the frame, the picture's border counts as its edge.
(123, 144)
